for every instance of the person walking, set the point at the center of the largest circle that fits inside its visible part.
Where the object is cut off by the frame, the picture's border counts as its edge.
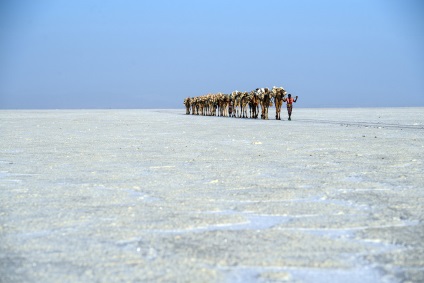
(290, 100)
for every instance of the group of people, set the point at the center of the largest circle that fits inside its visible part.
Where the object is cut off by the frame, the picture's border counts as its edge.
(237, 103)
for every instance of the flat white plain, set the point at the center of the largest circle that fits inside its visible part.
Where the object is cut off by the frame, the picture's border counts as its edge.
(157, 195)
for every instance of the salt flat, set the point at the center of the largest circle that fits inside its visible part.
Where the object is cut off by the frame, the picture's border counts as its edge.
(160, 196)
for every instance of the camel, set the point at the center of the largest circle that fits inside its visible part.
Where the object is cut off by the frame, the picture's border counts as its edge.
(214, 103)
(199, 105)
(254, 104)
(187, 102)
(209, 105)
(196, 103)
(278, 93)
(222, 102)
(230, 106)
(193, 105)
(206, 105)
(226, 105)
(265, 101)
(236, 103)
(244, 102)
(219, 103)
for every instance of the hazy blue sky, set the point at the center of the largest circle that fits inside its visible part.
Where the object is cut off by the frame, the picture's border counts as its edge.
(152, 54)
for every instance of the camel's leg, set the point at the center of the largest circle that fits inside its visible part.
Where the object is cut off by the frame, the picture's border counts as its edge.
(279, 110)
(276, 110)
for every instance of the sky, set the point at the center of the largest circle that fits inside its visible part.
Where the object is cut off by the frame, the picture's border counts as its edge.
(61, 54)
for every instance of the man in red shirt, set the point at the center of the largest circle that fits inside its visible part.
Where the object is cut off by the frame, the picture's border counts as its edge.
(289, 100)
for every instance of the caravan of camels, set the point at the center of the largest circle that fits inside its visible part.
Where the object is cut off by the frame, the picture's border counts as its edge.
(236, 104)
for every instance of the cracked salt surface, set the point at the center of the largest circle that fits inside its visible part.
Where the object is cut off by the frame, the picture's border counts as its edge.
(247, 274)
(156, 195)
(253, 222)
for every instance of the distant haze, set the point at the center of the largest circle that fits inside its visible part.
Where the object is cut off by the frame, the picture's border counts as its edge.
(152, 54)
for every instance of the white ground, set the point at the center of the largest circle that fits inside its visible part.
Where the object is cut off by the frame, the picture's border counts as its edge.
(156, 195)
